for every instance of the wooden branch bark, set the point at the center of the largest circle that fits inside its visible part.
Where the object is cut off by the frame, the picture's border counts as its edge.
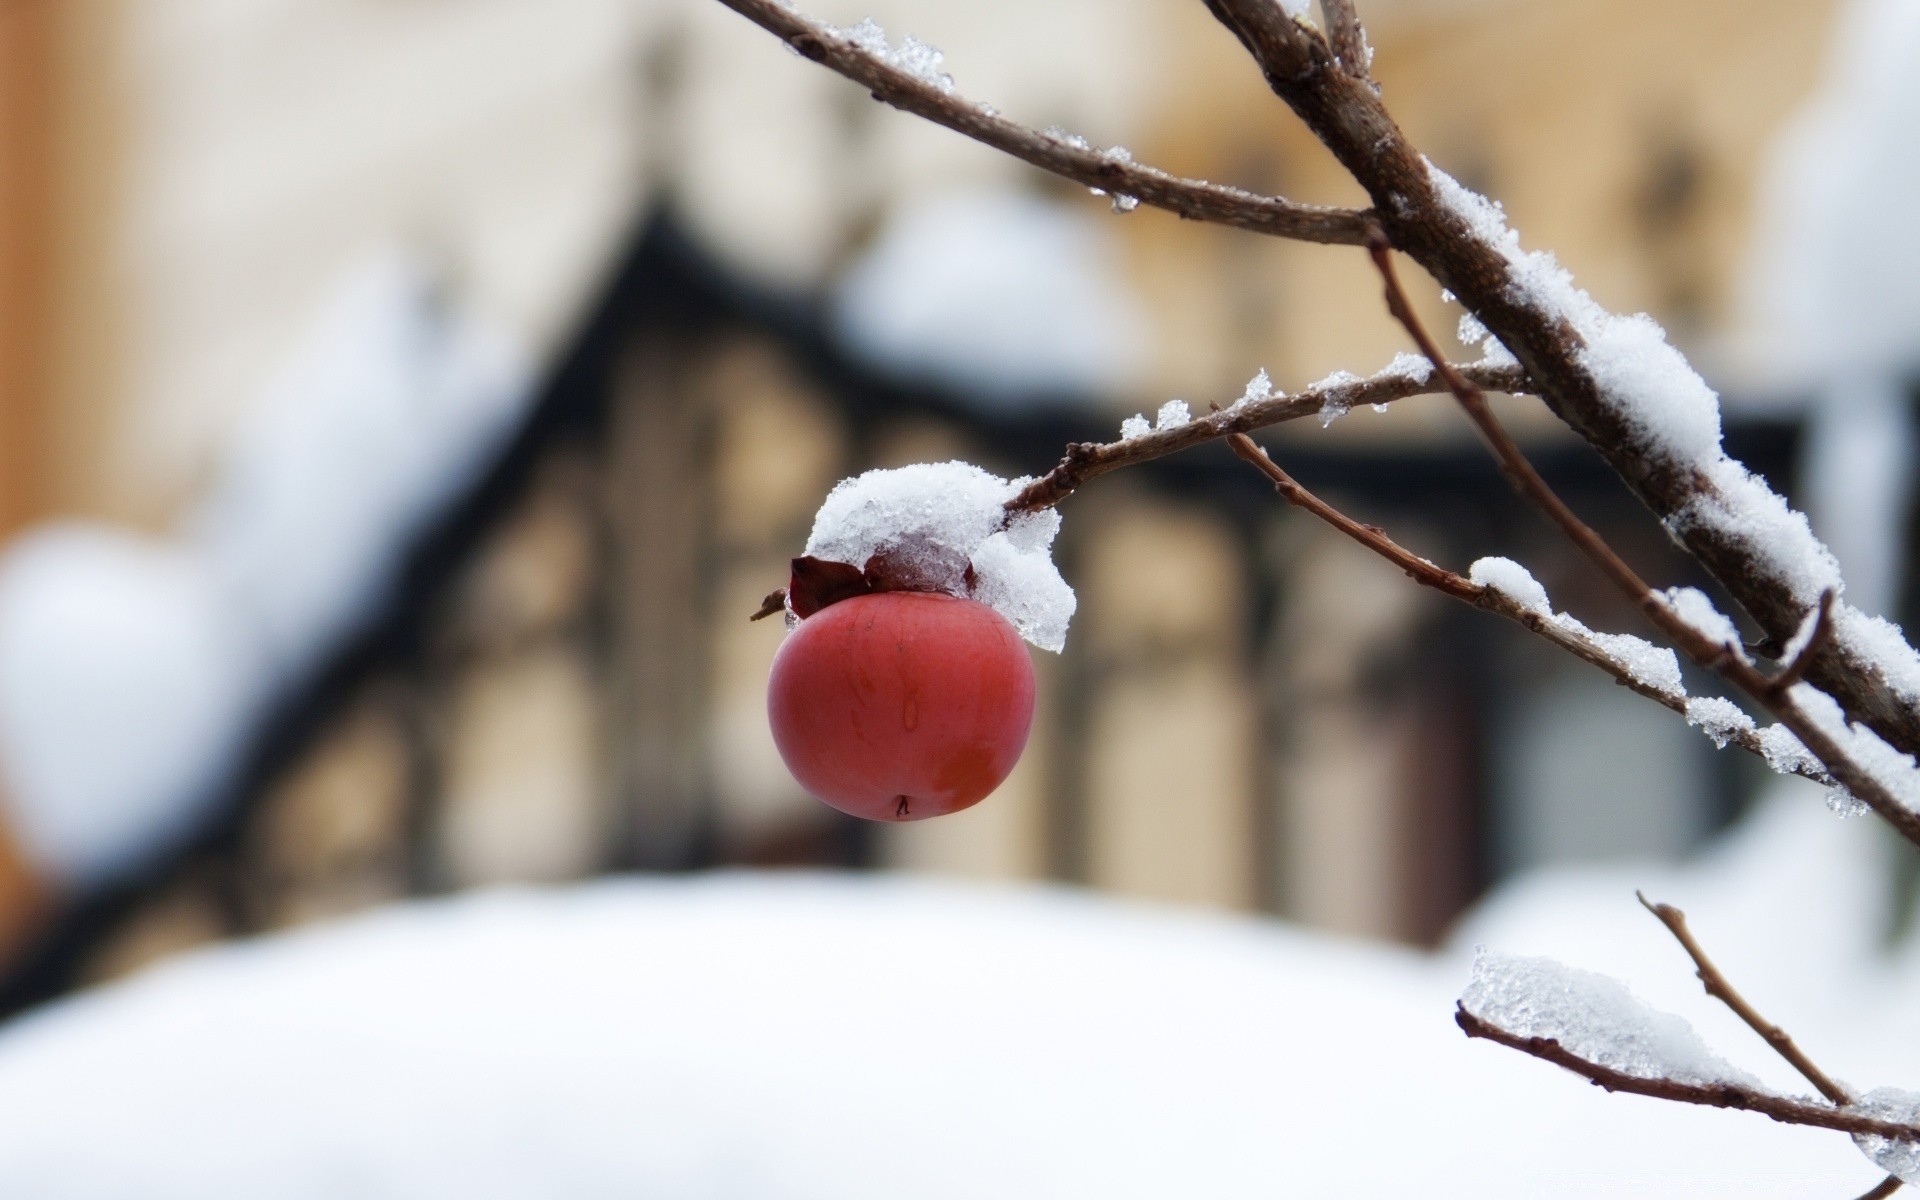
(1347, 38)
(1190, 198)
(1348, 117)
(1084, 461)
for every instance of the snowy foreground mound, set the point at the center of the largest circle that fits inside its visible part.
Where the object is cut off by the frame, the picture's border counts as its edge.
(787, 1037)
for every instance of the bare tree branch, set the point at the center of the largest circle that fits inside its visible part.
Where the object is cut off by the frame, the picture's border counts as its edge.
(1191, 198)
(1089, 460)
(1348, 38)
(1347, 116)
(1786, 1109)
(1429, 574)
(1720, 989)
(1880, 1191)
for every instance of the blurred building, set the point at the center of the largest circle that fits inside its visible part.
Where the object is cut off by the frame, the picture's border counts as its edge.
(741, 280)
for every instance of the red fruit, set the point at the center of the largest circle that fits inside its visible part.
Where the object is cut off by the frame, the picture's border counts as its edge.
(900, 705)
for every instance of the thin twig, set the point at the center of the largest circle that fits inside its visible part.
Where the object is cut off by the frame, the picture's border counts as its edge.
(1372, 537)
(1513, 462)
(1720, 989)
(1429, 574)
(1786, 1109)
(1816, 641)
(1727, 659)
(1191, 198)
(1088, 460)
(1348, 38)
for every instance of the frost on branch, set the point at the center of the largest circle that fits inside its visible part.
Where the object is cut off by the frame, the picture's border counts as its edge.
(912, 55)
(1895, 1158)
(943, 527)
(1593, 1017)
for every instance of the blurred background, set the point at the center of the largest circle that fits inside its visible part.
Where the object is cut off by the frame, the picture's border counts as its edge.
(404, 404)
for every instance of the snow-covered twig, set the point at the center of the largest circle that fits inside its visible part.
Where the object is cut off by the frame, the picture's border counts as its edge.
(1087, 460)
(1536, 619)
(1789, 1110)
(1715, 651)
(1593, 1026)
(1614, 381)
(1069, 158)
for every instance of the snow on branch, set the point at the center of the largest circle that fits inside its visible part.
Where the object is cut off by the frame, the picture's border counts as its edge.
(909, 79)
(1595, 1027)
(1257, 408)
(1868, 769)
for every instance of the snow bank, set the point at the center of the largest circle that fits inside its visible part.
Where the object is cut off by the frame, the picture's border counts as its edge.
(797, 1038)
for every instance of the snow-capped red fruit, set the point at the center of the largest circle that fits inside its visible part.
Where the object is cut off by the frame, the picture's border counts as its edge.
(896, 706)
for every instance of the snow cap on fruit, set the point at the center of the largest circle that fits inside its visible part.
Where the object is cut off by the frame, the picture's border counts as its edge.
(937, 527)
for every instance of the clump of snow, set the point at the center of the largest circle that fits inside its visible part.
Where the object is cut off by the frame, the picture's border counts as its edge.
(1415, 368)
(1894, 770)
(1646, 380)
(1740, 506)
(1784, 753)
(1332, 409)
(1136, 426)
(1513, 581)
(1005, 297)
(1172, 415)
(1471, 331)
(1644, 662)
(1697, 609)
(1592, 1016)
(1895, 1158)
(943, 527)
(1880, 642)
(1123, 203)
(1655, 666)
(1259, 388)
(912, 55)
(1844, 804)
(1719, 718)
(1067, 138)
